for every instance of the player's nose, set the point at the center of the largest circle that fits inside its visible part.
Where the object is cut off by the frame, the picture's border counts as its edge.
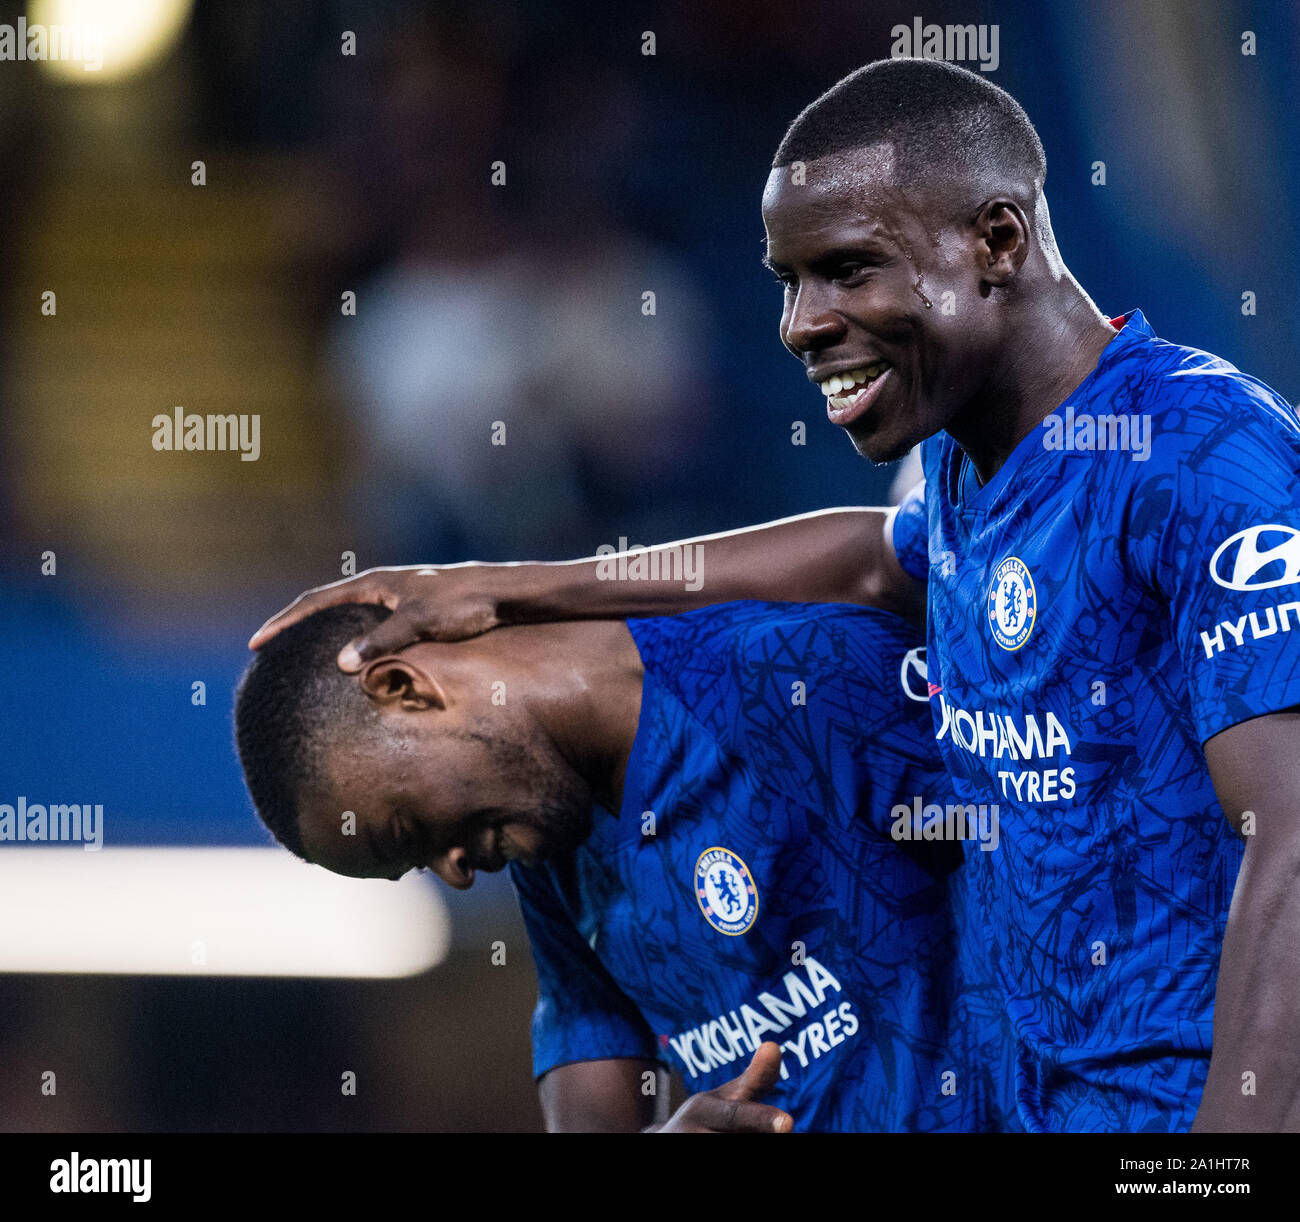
(811, 326)
(454, 869)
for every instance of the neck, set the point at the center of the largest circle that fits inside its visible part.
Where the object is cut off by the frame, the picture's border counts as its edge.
(581, 683)
(1055, 345)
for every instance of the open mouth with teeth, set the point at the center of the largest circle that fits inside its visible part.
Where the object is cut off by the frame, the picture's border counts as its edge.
(846, 385)
(849, 394)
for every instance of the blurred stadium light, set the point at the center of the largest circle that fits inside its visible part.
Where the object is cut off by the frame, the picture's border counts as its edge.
(211, 911)
(136, 34)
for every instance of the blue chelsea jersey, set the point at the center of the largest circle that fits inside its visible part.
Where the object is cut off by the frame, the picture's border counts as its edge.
(751, 888)
(1126, 586)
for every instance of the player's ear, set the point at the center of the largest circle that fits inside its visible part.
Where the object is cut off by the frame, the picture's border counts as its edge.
(1002, 235)
(396, 681)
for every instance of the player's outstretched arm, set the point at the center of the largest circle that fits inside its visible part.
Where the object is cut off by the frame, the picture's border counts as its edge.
(833, 555)
(1254, 1078)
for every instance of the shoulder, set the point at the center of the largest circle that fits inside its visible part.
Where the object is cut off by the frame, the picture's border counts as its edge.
(847, 642)
(725, 638)
(1204, 436)
(742, 668)
(1203, 410)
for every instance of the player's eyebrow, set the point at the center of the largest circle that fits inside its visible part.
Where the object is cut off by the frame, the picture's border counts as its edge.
(866, 249)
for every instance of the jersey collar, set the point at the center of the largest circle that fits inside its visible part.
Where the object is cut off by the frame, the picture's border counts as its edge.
(968, 494)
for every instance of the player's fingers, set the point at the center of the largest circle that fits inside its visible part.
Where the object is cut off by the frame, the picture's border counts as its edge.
(760, 1074)
(336, 594)
(718, 1115)
(395, 633)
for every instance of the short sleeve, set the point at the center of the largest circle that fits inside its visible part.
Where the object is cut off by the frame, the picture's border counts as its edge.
(581, 1014)
(911, 534)
(1218, 523)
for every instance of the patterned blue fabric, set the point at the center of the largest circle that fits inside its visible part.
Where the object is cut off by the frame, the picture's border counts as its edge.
(1094, 616)
(778, 736)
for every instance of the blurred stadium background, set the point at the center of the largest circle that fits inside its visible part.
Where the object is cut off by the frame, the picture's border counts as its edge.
(328, 174)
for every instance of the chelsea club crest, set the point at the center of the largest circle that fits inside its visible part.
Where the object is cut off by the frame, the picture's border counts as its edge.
(1013, 603)
(726, 891)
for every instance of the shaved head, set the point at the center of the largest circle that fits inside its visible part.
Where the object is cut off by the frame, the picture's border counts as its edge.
(938, 122)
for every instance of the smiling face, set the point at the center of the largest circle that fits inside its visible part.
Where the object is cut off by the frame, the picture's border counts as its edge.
(442, 787)
(887, 295)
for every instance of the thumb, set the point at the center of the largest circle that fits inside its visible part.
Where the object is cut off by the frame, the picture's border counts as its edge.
(760, 1074)
(392, 635)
